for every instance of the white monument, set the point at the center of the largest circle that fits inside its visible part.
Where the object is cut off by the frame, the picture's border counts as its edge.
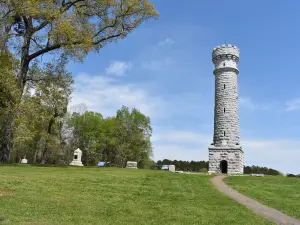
(77, 158)
(24, 160)
(225, 153)
(172, 168)
(131, 164)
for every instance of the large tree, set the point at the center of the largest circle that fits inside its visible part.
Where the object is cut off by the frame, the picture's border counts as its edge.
(32, 28)
(41, 111)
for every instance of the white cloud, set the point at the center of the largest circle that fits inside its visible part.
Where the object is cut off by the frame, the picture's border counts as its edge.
(106, 95)
(187, 145)
(293, 105)
(118, 68)
(167, 41)
(248, 103)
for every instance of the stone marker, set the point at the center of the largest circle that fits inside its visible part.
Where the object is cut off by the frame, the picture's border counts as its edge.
(24, 161)
(172, 168)
(131, 164)
(257, 175)
(77, 158)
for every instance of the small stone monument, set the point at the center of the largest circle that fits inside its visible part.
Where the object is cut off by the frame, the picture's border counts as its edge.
(131, 164)
(172, 168)
(77, 158)
(24, 160)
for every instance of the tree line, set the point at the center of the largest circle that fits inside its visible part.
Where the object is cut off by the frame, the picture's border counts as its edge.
(202, 166)
(37, 41)
(192, 166)
(260, 170)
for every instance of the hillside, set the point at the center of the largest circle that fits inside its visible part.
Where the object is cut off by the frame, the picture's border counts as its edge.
(45, 195)
(279, 192)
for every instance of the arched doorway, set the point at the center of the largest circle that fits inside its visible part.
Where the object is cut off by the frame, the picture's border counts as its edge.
(223, 166)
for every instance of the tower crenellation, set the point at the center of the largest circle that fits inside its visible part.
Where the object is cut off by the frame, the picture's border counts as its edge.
(226, 143)
(225, 57)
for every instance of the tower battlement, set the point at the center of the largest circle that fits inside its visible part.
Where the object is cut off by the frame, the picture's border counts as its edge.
(225, 51)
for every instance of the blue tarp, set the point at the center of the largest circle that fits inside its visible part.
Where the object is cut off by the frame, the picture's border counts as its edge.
(165, 167)
(101, 163)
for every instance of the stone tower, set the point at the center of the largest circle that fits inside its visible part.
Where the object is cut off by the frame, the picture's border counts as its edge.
(225, 153)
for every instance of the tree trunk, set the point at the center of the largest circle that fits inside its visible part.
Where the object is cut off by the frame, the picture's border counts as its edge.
(6, 143)
(49, 131)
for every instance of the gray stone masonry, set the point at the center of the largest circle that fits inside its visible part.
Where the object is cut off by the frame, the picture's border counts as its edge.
(226, 140)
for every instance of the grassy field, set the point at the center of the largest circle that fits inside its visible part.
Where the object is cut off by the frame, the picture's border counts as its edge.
(282, 193)
(49, 195)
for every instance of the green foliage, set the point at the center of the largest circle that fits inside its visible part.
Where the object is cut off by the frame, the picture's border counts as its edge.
(9, 102)
(260, 170)
(278, 192)
(194, 166)
(106, 196)
(9, 91)
(114, 139)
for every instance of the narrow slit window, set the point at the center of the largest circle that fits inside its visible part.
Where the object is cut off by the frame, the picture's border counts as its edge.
(224, 110)
(224, 133)
(224, 86)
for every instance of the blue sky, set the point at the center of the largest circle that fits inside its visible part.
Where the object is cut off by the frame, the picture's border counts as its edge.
(164, 69)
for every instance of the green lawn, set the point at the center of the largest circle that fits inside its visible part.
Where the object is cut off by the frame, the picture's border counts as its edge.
(282, 193)
(49, 195)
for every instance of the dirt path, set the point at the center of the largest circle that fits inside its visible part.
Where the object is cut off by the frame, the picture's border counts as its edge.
(265, 211)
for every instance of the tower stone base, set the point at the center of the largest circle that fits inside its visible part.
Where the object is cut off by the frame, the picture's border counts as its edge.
(229, 157)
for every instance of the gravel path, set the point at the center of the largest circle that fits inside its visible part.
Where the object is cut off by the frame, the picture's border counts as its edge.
(265, 211)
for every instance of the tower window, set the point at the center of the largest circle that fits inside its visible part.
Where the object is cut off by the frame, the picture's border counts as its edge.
(224, 110)
(224, 86)
(224, 64)
(224, 133)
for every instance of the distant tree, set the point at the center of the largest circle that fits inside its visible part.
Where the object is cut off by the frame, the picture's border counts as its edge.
(125, 137)
(262, 170)
(194, 166)
(88, 135)
(291, 175)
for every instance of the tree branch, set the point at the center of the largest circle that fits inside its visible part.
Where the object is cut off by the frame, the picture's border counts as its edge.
(70, 4)
(107, 38)
(41, 47)
(44, 50)
(65, 7)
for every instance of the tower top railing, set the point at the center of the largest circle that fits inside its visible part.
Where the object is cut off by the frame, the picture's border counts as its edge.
(226, 49)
